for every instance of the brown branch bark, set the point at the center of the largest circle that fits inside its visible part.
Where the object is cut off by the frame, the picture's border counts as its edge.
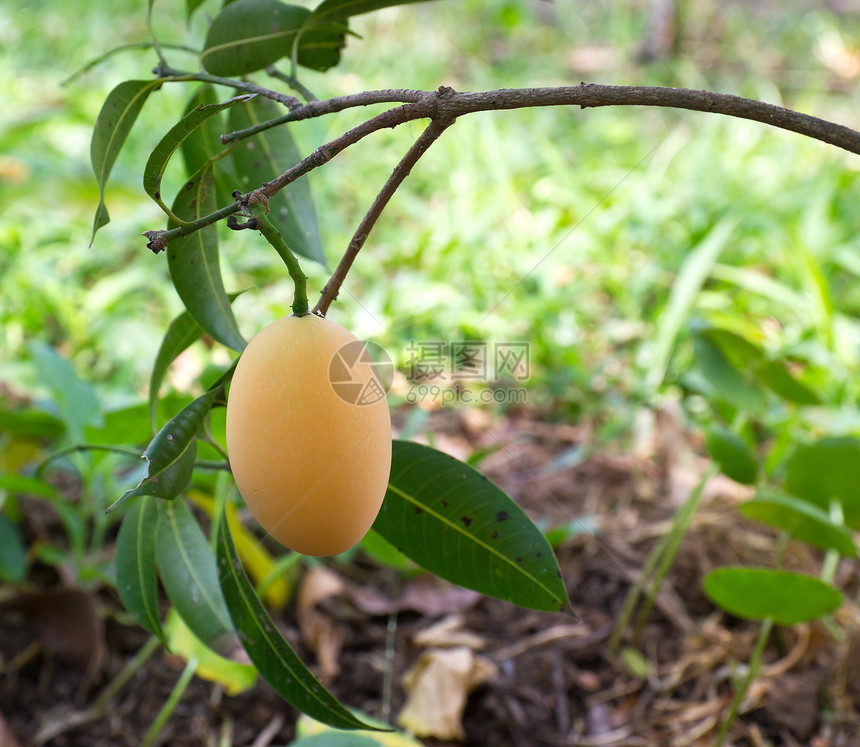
(445, 105)
(401, 171)
(450, 103)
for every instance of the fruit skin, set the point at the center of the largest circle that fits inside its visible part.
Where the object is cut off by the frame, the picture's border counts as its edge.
(312, 467)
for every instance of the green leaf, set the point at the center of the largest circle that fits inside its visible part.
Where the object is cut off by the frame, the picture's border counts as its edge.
(801, 519)
(319, 45)
(250, 35)
(733, 456)
(264, 156)
(266, 647)
(195, 266)
(736, 387)
(155, 167)
(20, 485)
(30, 423)
(136, 579)
(759, 593)
(826, 470)
(384, 553)
(13, 553)
(170, 455)
(113, 124)
(189, 576)
(75, 398)
(776, 377)
(451, 520)
(205, 143)
(739, 351)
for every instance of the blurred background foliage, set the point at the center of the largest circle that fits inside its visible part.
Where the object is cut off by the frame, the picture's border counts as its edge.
(564, 227)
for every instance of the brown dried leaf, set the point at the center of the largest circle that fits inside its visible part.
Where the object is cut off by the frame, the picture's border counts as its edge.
(323, 635)
(438, 684)
(448, 633)
(426, 595)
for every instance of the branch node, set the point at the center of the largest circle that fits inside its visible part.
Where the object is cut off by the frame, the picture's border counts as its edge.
(234, 225)
(157, 243)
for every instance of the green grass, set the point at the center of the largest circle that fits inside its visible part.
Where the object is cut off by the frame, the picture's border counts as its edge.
(560, 226)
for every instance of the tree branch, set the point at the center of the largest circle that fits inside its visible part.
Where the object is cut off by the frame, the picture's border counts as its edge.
(443, 107)
(401, 171)
(168, 73)
(588, 95)
(319, 108)
(447, 102)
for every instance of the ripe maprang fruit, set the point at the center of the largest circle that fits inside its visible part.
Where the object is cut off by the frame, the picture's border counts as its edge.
(311, 461)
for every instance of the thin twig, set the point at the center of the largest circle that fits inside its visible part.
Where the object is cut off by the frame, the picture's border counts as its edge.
(401, 171)
(292, 82)
(169, 74)
(320, 108)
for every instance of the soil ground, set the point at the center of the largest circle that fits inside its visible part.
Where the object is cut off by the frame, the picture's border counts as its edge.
(549, 680)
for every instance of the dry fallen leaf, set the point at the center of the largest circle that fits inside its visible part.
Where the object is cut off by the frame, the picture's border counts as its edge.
(426, 595)
(438, 684)
(447, 633)
(323, 635)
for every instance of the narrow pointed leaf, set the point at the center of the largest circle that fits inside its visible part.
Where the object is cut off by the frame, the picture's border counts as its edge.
(114, 122)
(800, 519)
(204, 144)
(451, 520)
(189, 576)
(170, 455)
(155, 167)
(758, 593)
(267, 648)
(136, 575)
(268, 154)
(195, 267)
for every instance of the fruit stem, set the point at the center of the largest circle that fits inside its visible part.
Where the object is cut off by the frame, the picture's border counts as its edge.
(273, 236)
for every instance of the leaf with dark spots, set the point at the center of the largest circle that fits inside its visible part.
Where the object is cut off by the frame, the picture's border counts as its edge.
(502, 516)
(466, 544)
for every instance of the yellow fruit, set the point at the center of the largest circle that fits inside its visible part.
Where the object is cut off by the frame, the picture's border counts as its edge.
(311, 457)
